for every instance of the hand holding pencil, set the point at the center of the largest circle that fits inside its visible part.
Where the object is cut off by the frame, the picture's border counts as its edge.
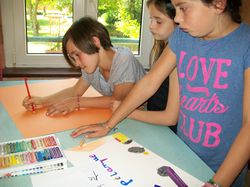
(33, 100)
(31, 103)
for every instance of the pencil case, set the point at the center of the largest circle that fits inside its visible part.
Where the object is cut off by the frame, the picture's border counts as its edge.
(31, 156)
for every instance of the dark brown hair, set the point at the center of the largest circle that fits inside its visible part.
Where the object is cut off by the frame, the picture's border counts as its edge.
(232, 7)
(81, 33)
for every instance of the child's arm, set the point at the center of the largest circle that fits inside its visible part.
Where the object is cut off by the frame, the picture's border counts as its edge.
(122, 90)
(169, 116)
(144, 89)
(239, 153)
(40, 102)
(70, 104)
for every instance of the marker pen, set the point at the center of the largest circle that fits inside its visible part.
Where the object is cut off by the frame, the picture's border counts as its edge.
(173, 175)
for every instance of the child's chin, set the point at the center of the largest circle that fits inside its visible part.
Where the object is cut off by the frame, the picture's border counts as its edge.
(88, 71)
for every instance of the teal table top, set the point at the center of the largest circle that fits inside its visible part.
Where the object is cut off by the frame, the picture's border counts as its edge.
(159, 139)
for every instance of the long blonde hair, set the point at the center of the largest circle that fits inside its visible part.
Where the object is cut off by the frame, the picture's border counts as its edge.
(165, 7)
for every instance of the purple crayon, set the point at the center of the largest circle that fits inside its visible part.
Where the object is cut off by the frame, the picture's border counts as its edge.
(177, 180)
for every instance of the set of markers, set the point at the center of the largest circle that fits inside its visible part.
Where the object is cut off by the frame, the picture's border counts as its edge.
(31, 156)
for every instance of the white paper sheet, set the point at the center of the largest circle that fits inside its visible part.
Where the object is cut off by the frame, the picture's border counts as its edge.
(111, 159)
(74, 176)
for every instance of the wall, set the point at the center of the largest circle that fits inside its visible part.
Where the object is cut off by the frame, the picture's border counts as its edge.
(245, 11)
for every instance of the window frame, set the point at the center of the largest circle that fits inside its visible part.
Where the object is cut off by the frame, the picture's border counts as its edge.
(13, 20)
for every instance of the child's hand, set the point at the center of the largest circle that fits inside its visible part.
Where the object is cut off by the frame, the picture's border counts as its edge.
(37, 103)
(91, 131)
(63, 107)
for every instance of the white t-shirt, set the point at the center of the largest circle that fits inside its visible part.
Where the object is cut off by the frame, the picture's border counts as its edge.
(125, 68)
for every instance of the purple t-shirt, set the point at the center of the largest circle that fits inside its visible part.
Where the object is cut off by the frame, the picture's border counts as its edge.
(211, 77)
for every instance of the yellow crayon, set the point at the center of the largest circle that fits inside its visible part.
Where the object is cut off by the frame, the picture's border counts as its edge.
(7, 161)
(1, 162)
(13, 160)
(18, 160)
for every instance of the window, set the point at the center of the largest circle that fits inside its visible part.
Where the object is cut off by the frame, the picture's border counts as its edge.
(36, 41)
(46, 22)
(122, 18)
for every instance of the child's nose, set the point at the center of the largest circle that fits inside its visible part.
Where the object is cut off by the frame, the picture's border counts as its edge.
(77, 62)
(178, 17)
(151, 24)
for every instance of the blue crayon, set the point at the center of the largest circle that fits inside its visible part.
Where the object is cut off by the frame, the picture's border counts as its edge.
(43, 155)
(47, 154)
(40, 156)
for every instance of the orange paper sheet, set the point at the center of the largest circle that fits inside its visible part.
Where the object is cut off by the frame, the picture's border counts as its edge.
(37, 124)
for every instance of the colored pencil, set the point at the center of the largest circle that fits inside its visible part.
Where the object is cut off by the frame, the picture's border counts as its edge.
(28, 91)
(82, 141)
(176, 179)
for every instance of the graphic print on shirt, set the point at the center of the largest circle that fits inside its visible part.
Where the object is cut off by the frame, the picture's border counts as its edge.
(202, 98)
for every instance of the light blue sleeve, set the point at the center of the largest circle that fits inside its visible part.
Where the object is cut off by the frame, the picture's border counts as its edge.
(126, 69)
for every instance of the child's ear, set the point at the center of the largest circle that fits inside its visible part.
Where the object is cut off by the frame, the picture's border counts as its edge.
(96, 41)
(220, 5)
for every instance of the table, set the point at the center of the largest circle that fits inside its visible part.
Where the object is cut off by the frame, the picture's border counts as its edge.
(159, 139)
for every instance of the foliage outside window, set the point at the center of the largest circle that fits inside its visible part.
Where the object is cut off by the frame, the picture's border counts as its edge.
(48, 20)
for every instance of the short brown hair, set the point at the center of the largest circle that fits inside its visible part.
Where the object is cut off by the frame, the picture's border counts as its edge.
(82, 32)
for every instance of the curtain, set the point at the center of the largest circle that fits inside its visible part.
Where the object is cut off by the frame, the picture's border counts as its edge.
(2, 59)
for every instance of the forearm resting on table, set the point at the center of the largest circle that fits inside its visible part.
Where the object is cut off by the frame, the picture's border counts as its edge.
(59, 96)
(133, 100)
(155, 117)
(96, 102)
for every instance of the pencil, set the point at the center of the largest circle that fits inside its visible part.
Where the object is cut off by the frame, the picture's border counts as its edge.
(82, 141)
(28, 91)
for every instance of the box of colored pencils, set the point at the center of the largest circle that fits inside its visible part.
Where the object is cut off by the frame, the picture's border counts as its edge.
(31, 156)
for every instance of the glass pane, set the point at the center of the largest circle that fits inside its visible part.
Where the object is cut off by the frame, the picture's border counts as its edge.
(122, 18)
(46, 23)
